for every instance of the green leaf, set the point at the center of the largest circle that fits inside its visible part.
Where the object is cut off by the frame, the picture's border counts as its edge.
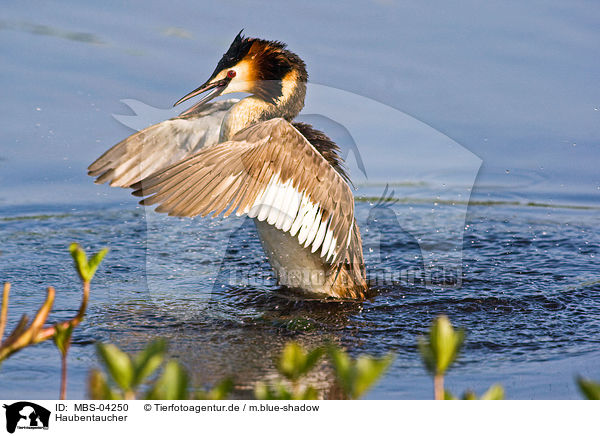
(85, 269)
(444, 344)
(220, 392)
(95, 261)
(590, 389)
(294, 362)
(98, 388)
(358, 376)
(261, 392)
(282, 392)
(309, 393)
(469, 395)
(426, 354)
(81, 263)
(312, 358)
(291, 359)
(148, 361)
(368, 371)
(342, 367)
(118, 364)
(171, 385)
(449, 396)
(62, 337)
(495, 392)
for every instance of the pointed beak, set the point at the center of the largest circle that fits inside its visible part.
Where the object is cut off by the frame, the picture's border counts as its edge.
(215, 88)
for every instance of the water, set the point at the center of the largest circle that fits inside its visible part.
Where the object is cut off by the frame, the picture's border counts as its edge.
(529, 302)
(526, 247)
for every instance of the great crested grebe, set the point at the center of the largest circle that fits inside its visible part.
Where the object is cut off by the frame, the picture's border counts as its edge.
(249, 157)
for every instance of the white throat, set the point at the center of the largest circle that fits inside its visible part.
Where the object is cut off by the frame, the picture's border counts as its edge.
(251, 110)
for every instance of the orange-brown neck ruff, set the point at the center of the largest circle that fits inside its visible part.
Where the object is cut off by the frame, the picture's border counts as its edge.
(271, 64)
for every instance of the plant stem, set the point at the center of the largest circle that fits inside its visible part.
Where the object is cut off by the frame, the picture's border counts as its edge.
(74, 322)
(438, 386)
(48, 332)
(22, 337)
(3, 311)
(63, 377)
(35, 333)
(84, 301)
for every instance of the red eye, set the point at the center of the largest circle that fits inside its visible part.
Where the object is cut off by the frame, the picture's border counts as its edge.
(231, 74)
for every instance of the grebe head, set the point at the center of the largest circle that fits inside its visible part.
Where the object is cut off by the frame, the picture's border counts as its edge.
(265, 69)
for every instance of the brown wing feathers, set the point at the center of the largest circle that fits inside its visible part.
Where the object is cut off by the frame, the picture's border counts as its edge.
(233, 175)
(155, 147)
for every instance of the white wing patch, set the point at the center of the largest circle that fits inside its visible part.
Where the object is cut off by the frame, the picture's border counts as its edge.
(282, 206)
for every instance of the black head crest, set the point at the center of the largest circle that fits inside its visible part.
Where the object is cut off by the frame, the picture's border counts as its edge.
(236, 52)
(271, 62)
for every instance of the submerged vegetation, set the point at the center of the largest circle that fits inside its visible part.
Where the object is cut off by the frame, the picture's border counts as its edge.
(148, 375)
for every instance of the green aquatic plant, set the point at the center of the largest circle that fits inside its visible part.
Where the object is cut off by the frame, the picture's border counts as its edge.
(219, 392)
(279, 391)
(589, 388)
(130, 377)
(439, 351)
(357, 376)
(354, 376)
(62, 340)
(26, 334)
(126, 375)
(495, 392)
(293, 364)
(86, 268)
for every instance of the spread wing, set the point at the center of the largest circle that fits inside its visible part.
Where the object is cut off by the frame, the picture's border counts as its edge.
(160, 145)
(268, 171)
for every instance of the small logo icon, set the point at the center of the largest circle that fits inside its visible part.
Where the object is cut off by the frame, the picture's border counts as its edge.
(26, 415)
